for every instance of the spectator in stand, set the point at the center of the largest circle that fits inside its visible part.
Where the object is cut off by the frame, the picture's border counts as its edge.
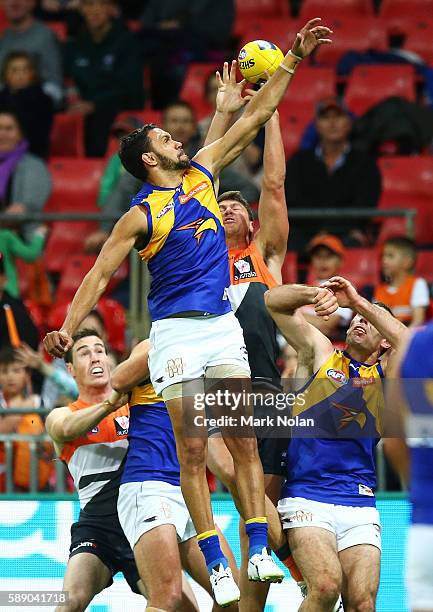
(250, 161)
(326, 259)
(180, 121)
(12, 247)
(25, 33)
(406, 294)
(27, 329)
(15, 386)
(175, 33)
(105, 64)
(25, 183)
(21, 90)
(334, 175)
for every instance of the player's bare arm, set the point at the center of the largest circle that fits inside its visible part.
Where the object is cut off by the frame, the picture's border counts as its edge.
(126, 231)
(133, 370)
(391, 328)
(271, 239)
(63, 424)
(221, 153)
(312, 346)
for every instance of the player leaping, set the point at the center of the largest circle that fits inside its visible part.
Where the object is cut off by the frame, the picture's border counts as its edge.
(176, 225)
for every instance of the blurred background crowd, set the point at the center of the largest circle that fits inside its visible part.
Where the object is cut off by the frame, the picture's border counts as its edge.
(76, 75)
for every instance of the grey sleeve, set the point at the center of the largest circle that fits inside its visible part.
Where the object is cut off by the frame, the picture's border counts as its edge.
(118, 201)
(31, 183)
(232, 180)
(51, 66)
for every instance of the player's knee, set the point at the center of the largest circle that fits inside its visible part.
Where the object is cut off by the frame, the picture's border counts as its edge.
(192, 453)
(244, 449)
(167, 595)
(326, 589)
(77, 601)
(364, 603)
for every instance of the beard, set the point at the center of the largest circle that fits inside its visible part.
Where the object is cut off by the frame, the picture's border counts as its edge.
(171, 165)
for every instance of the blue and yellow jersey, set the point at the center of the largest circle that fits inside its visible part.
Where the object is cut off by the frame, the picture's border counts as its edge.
(417, 382)
(185, 246)
(333, 461)
(152, 446)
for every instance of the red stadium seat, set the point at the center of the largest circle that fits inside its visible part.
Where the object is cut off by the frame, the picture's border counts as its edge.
(368, 85)
(352, 34)
(309, 87)
(361, 266)
(76, 268)
(289, 269)
(193, 87)
(59, 28)
(293, 120)
(419, 37)
(278, 30)
(335, 8)
(424, 265)
(66, 239)
(264, 8)
(75, 184)
(67, 135)
(407, 8)
(407, 182)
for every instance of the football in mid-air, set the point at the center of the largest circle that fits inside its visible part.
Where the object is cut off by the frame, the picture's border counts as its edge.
(257, 57)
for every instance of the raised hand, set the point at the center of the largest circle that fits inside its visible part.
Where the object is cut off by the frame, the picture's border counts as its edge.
(229, 98)
(325, 303)
(57, 343)
(311, 36)
(346, 294)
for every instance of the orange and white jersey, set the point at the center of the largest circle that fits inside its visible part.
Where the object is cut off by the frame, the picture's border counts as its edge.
(95, 460)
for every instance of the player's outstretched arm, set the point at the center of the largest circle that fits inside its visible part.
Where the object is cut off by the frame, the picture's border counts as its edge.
(310, 344)
(63, 424)
(271, 238)
(133, 370)
(391, 328)
(218, 155)
(114, 251)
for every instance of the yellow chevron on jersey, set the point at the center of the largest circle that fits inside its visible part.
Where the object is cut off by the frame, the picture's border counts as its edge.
(335, 373)
(144, 395)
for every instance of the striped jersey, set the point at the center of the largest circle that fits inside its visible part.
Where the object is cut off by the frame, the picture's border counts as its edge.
(333, 459)
(95, 461)
(152, 446)
(417, 382)
(185, 246)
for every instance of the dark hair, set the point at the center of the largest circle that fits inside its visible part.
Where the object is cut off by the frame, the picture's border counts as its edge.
(8, 110)
(19, 55)
(385, 307)
(179, 104)
(132, 147)
(95, 313)
(237, 197)
(404, 244)
(81, 333)
(8, 356)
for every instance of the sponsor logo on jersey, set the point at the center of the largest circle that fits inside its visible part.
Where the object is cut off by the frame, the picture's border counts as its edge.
(95, 430)
(200, 226)
(300, 516)
(244, 269)
(174, 367)
(165, 210)
(84, 545)
(349, 415)
(337, 376)
(183, 199)
(364, 490)
(122, 425)
(363, 382)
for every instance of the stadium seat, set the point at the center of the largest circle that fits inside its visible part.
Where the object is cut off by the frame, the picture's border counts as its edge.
(424, 265)
(289, 269)
(146, 116)
(293, 120)
(67, 135)
(407, 182)
(66, 239)
(335, 8)
(419, 37)
(264, 8)
(310, 85)
(59, 28)
(193, 87)
(75, 184)
(407, 8)
(361, 266)
(368, 85)
(352, 34)
(76, 268)
(279, 30)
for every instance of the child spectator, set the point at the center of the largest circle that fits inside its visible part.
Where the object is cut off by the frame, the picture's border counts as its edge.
(105, 64)
(25, 33)
(326, 259)
(11, 247)
(22, 91)
(406, 294)
(16, 392)
(25, 183)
